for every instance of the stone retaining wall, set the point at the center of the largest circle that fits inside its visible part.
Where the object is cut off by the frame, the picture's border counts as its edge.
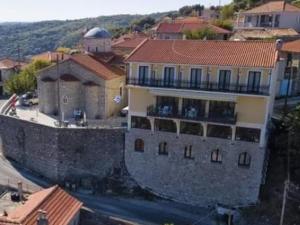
(59, 153)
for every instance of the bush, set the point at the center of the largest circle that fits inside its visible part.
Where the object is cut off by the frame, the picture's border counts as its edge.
(226, 24)
(201, 34)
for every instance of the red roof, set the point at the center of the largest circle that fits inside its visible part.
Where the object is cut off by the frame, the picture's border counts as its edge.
(58, 204)
(10, 64)
(181, 27)
(195, 52)
(274, 6)
(292, 46)
(100, 68)
(129, 43)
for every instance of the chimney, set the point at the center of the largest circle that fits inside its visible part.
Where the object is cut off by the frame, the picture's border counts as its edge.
(279, 44)
(20, 190)
(42, 218)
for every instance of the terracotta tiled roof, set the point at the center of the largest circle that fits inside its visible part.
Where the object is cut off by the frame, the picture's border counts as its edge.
(8, 64)
(181, 27)
(222, 53)
(129, 43)
(102, 69)
(293, 46)
(274, 6)
(59, 205)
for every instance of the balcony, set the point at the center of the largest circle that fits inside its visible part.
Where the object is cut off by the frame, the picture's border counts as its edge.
(192, 114)
(203, 86)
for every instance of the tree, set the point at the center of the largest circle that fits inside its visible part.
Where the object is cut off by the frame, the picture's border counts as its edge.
(26, 79)
(145, 22)
(227, 12)
(226, 24)
(201, 34)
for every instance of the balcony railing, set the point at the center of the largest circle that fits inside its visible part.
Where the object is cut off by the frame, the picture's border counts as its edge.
(166, 112)
(203, 86)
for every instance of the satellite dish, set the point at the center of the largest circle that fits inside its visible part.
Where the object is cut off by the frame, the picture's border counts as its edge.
(118, 99)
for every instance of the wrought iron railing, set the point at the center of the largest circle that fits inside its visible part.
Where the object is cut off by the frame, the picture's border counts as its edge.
(158, 111)
(203, 86)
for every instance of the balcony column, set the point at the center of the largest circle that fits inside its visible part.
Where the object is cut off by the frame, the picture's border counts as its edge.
(233, 131)
(207, 108)
(262, 137)
(177, 122)
(129, 122)
(204, 129)
(180, 106)
(152, 125)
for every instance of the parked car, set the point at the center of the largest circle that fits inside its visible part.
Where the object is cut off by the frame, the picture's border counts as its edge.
(29, 99)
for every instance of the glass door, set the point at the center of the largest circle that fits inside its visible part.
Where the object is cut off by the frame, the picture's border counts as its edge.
(143, 74)
(195, 81)
(169, 76)
(224, 79)
(254, 81)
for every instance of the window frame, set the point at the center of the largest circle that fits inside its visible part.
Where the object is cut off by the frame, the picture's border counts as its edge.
(246, 159)
(188, 152)
(219, 157)
(139, 145)
(163, 148)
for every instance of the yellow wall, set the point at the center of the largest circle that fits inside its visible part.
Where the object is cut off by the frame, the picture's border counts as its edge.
(251, 109)
(243, 72)
(140, 99)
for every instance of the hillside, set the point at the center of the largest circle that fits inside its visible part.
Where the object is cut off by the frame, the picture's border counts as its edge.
(34, 38)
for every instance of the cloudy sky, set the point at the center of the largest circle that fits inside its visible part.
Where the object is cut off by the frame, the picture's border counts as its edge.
(36, 10)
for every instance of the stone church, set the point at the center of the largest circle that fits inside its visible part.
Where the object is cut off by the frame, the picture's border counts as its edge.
(92, 82)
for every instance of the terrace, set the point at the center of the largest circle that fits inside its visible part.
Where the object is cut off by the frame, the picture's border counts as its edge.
(202, 86)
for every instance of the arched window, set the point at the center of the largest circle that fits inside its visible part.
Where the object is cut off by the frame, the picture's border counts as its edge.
(244, 159)
(139, 145)
(188, 152)
(216, 156)
(163, 148)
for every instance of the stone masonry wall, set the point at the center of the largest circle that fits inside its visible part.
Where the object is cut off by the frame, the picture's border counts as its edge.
(58, 153)
(195, 181)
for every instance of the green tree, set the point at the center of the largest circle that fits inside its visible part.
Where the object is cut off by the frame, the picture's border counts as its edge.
(26, 79)
(227, 12)
(226, 24)
(201, 34)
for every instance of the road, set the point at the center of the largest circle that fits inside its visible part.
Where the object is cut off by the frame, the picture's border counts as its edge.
(138, 211)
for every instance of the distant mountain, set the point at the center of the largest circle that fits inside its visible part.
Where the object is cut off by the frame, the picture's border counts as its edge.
(37, 37)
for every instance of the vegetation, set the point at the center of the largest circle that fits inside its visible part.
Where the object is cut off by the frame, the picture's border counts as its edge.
(191, 10)
(226, 24)
(202, 34)
(26, 79)
(34, 38)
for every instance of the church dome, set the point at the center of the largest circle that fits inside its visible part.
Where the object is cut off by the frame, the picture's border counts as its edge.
(97, 33)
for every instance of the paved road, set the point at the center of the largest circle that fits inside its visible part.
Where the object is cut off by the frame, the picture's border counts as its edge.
(138, 211)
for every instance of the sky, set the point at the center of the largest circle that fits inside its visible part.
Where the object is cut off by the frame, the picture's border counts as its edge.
(37, 10)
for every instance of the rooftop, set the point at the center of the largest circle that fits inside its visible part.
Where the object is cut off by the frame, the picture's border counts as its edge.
(97, 32)
(274, 6)
(195, 52)
(9, 64)
(180, 27)
(293, 46)
(59, 205)
(263, 33)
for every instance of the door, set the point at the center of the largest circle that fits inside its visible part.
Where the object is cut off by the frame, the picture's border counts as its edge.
(224, 79)
(195, 80)
(254, 81)
(143, 74)
(169, 76)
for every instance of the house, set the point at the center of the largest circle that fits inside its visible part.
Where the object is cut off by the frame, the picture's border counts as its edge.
(290, 79)
(210, 14)
(285, 34)
(127, 43)
(47, 207)
(274, 14)
(198, 118)
(175, 30)
(92, 83)
(8, 67)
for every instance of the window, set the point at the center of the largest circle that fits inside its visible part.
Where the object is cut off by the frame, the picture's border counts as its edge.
(216, 156)
(165, 126)
(191, 128)
(0, 75)
(140, 123)
(188, 152)
(224, 79)
(139, 145)
(96, 49)
(277, 21)
(163, 148)
(254, 81)
(247, 134)
(248, 19)
(121, 91)
(195, 80)
(244, 160)
(169, 76)
(143, 74)
(218, 131)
